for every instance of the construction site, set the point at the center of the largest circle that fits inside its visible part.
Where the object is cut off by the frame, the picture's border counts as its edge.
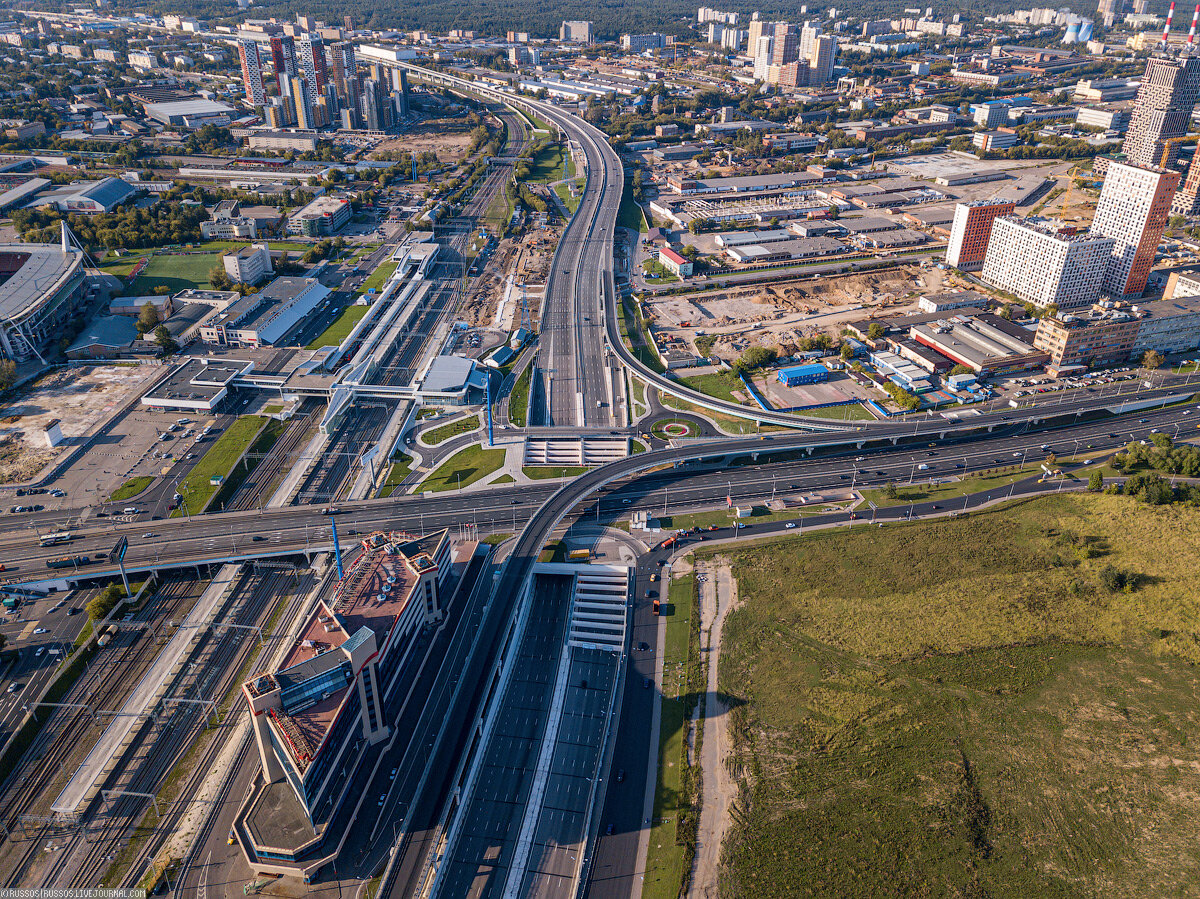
(76, 399)
(723, 323)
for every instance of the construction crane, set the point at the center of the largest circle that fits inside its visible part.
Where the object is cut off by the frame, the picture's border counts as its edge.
(1169, 143)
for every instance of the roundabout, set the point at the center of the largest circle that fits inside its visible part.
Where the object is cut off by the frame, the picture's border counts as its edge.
(674, 429)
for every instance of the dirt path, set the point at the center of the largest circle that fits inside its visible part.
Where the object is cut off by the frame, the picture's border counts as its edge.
(718, 595)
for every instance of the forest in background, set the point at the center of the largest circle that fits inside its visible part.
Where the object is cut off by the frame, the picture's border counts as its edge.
(494, 17)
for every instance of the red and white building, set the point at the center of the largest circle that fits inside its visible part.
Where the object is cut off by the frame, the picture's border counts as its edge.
(1134, 206)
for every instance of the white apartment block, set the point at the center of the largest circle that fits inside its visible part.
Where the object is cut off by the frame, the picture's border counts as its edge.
(248, 265)
(1035, 262)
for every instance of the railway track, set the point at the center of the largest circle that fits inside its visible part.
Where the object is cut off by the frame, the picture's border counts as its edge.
(362, 427)
(103, 687)
(286, 449)
(220, 657)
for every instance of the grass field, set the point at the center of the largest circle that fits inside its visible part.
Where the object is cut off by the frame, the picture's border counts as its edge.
(401, 468)
(547, 165)
(670, 851)
(340, 328)
(518, 398)
(452, 429)
(379, 277)
(219, 460)
(131, 488)
(121, 267)
(630, 214)
(547, 472)
(569, 200)
(919, 493)
(726, 423)
(632, 327)
(853, 412)
(188, 270)
(220, 246)
(463, 469)
(657, 273)
(720, 384)
(963, 708)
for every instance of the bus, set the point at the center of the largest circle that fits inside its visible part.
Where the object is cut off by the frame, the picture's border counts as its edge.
(68, 562)
(53, 539)
(580, 555)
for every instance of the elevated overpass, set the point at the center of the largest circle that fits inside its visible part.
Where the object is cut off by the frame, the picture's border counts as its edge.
(214, 538)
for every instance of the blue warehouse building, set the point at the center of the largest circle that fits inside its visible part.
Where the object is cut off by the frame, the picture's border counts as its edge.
(796, 375)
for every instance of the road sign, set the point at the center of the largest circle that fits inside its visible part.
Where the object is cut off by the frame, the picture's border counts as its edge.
(872, 505)
(118, 552)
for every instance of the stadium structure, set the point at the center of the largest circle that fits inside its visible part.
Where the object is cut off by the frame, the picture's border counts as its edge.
(41, 286)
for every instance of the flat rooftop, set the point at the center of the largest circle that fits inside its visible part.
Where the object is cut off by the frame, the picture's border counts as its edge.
(34, 271)
(198, 379)
(977, 339)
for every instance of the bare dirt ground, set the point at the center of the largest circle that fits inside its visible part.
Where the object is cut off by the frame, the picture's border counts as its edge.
(718, 595)
(784, 314)
(448, 138)
(80, 398)
(524, 260)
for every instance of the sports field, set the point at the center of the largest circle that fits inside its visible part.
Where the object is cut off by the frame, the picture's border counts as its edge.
(178, 272)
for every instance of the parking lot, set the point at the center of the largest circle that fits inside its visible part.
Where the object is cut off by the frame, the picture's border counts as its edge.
(140, 443)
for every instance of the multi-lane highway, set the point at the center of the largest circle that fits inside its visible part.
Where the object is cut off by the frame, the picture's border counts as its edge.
(247, 534)
(575, 376)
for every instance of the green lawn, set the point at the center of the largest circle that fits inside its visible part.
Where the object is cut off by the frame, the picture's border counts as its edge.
(669, 859)
(122, 266)
(547, 166)
(664, 426)
(219, 460)
(726, 423)
(463, 469)
(548, 472)
(979, 483)
(569, 200)
(632, 326)
(453, 429)
(724, 518)
(961, 707)
(518, 398)
(630, 214)
(131, 488)
(379, 277)
(178, 272)
(340, 329)
(290, 246)
(854, 412)
(503, 479)
(656, 273)
(639, 391)
(720, 384)
(401, 469)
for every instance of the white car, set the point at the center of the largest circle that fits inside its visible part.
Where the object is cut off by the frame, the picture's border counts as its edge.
(790, 525)
(41, 630)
